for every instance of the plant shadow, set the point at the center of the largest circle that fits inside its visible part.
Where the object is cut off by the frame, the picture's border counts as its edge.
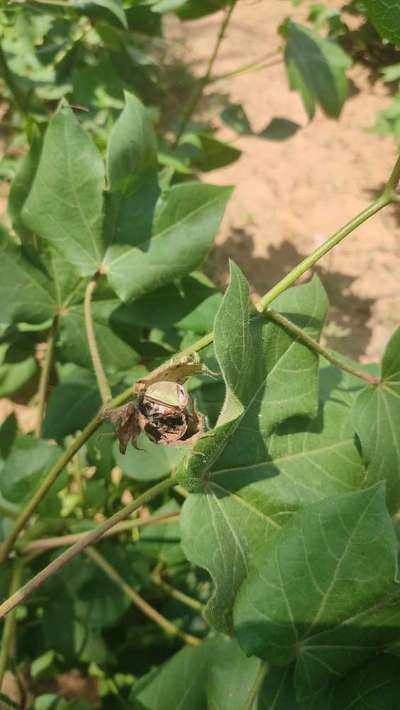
(347, 329)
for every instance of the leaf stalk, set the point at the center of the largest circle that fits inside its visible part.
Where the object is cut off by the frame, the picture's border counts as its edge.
(10, 625)
(87, 539)
(138, 600)
(202, 83)
(104, 387)
(45, 377)
(316, 347)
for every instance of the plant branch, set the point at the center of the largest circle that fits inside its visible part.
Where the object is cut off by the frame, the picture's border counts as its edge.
(11, 84)
(262, 672)
(49, 543)
(10, 624)
(288, 280)
(138, 601)
(393, 181)
(245, 69)
(176, 593)
(314, 345)
(87, 539)
(202, 83)
(104, 387)
(45, 376)
(46, 484)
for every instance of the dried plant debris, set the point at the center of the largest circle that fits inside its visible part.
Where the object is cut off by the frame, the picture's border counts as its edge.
(165, 412)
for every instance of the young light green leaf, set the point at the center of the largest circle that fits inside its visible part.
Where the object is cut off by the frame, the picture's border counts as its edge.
(376, 417)
(317, 69)
(320, 593)
(132, 147)
(185, 223)
(272, 377)
(65, 204)
(385, 16)
(215, 674)
(25, 291)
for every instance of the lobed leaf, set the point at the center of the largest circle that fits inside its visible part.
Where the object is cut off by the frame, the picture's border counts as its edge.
(173, 243)
(65, 204)
(322, 592)
(376, 418)
(241, 493)
(316, 69)
(385, 16)
(215, 674)
(25, 291)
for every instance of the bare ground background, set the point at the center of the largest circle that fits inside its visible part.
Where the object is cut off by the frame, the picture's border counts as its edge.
(291, 194)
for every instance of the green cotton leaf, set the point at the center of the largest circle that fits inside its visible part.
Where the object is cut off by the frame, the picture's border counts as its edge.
(16, 368)
(277, 691)
(132, 147)
(26, 293)
(208, 153)
(65, 204)
(72, 404)
(214, 674)
(21, 186)
(192, 9)
(316, 69)
(375, 686)
(150, 462)
(236, 118)
(26, 466)
(100, 601)
(183, 228)
(163, 542)
(385, 16)
(116, 354)
(270, 377)
(376, 418)
(113, 6)
(322, 591)
(188, 304)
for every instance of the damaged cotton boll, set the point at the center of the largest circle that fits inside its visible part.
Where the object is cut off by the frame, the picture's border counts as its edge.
(165, 412)
(171, 418)
(127, 424)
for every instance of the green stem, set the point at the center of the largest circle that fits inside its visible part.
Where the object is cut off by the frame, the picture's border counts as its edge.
(49, 543)
(262, 672)
(10, 83)
(138, 600)
(45, 376)
(314, 345)
(393, 181)
(46, 484)
(245, 69)
(176, 593)
(8, 636)
(386, 198)
(202, 83)
(309, 261)
(24, 517)
(104, 387)
(87, 539)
